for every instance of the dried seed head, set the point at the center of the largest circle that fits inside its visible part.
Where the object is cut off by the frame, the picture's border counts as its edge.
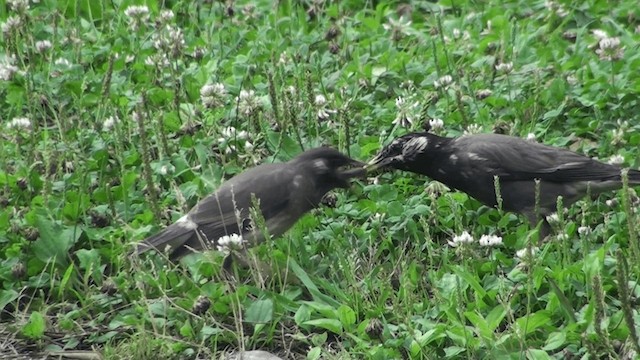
(108, 287)
(374, 328)
(201, 305)
(18, 270)
(332, 33)
(329, 200)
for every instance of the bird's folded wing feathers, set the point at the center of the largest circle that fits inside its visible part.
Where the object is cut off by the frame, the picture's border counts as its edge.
(517, 159)
(221, 213)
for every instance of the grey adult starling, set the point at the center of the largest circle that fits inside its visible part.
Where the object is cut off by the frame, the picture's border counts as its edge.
(469, 164)
(284, 191)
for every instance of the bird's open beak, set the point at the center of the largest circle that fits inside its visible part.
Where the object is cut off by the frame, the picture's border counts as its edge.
(355, 169)
(377, 162)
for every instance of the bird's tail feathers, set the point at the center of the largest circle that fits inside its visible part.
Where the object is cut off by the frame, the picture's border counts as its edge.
(634, 177)
(174, 237)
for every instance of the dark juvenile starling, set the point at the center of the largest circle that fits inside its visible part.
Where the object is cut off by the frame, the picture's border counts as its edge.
(469, 164)
(284, 191)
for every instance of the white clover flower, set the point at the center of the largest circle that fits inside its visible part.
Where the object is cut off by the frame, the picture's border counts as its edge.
(504, 68)
(609, 49)
(284, 58)
(228, 131)
(109, 123)
(483, 94)
(229, 242)
(557, 8)
(62, 62)
(436, 124)
(461, 239)
(443, 82)
(170, 40)
(406, 112)
(159, 60)
(10, 25)
(19, 123)
(248, 102)
(248, 146)
(584, 230)
(19, 6)
(472, 129)
(611, 202)
(213, 95)
(599, 34)
(7, 71)
(457, 34)
(166, 15)
(43, 46)
(524, 253)
(562, 237)
(398, 28)
(490, 240)
(137, 12)
(553, 219)
(323, 113)
(531, 137)
(616, 160)
(242, 135)
(166, 169)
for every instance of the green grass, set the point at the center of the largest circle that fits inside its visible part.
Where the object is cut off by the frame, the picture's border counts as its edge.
(372, 278)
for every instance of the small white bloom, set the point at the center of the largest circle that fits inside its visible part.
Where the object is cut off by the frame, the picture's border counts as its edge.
(19, 123)
(406, 112)
(166, 169)
(609, 49)
(472, 129)
(248, 146)
(18, 5)
(62, 62)
(43, 46)
(616, 160)
(553, 219)
(213, 95)
(483, 94)
(436, 124)
(137, 12)
(109, 123)
(228, 242)
(524, 253)
(443, 82)
(584, 230)
(504, 68)
(600, 34)
(158, 60)
(11, 24)
(562, 237)
(320, 100)
(490, 240)
(458, 240)
(248, 102)
(457, 34)
(7, 71)
(611, 202)
(166, 15)
(531, 137)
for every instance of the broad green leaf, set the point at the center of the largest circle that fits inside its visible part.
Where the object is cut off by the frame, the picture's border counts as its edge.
(55, 240)
(260, 312)
(332, 325)
(555, 341)
(35, 327)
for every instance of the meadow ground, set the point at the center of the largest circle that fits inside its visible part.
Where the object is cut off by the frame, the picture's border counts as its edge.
(118, 116)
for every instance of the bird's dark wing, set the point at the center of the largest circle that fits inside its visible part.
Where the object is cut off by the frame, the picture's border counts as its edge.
(514, 159)
(223, 212)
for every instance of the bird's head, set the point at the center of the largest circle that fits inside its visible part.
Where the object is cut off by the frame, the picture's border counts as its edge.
(401, 151)
(331, 167)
